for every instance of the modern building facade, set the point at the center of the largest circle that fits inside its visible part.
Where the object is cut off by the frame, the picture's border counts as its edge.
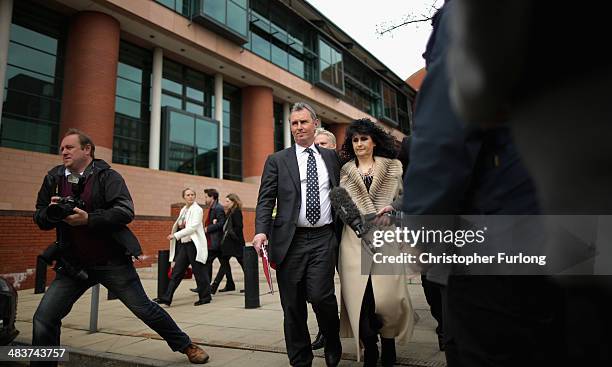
(175, 93)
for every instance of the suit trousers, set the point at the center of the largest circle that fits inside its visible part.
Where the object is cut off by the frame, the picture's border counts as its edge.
(186, 255)
(212, 255)
(307, 275)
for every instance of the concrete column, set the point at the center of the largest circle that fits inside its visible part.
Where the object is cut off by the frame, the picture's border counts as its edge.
(339, 131)
(286, 125)
(90, 78)
(155, 122)
(219, 117)
(257, 131)
(6, 14)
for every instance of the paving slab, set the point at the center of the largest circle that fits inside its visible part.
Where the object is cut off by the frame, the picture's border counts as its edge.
(231, 334)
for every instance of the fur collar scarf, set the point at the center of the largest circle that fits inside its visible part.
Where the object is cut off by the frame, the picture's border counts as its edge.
(386, 184)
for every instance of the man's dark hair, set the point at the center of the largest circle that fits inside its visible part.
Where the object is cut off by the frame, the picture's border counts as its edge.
(213, 193)
(385, 143)
(84, 140)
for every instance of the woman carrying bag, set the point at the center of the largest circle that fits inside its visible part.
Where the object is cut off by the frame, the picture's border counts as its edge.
(232, 243)
(188, 246)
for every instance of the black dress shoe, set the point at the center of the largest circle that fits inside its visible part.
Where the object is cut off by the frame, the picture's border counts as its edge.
(203, 301)
(228, 288)
(319, 341)
(194, 290)
(333, 352)
(213, 288)
(162, 301)
(387, 352)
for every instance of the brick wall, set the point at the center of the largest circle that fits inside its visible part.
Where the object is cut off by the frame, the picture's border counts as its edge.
(23, 242)
(156, 197)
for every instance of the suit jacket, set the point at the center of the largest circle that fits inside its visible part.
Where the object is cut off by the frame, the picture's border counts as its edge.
(214, 231)
(280, 186)
(193, 229)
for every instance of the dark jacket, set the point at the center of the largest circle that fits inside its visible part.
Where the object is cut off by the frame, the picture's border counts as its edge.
(214, 231)
(112, 205)
(280, 186)
(233, 238)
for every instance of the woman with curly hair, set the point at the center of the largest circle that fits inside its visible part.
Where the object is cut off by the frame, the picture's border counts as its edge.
(372, 304)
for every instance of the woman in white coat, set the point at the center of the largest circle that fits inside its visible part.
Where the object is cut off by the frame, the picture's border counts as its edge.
(188, 246)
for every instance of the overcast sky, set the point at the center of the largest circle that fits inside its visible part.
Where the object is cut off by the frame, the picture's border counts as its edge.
(400, 50)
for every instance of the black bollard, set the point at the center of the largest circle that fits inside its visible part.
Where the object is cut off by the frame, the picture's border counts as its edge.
(40, 282)
(163, 264)
(251, 277)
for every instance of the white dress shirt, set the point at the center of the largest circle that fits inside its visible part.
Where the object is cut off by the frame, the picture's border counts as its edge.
(324, 187)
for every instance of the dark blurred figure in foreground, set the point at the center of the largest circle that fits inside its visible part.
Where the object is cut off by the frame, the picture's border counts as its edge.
(488, 320)
(555, 97)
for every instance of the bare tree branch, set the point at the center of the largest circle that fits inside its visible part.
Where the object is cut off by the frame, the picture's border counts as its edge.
(387, 30)
(410, 18)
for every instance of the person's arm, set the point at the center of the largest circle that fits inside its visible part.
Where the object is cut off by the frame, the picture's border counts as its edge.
(119, 207)
(195, 220)
(237, 221)
(42, 203)
(268, 190)
(219, 214)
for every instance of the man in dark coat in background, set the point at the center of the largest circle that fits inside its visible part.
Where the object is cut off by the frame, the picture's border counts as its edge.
(213, 227)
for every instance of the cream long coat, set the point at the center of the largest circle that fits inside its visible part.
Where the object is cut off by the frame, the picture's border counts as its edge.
(391, 295)
(194, 229)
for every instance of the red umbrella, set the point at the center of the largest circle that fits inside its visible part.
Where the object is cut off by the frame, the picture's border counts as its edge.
(265, 262)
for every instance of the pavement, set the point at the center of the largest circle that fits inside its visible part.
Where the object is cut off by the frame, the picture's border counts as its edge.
(231, 334)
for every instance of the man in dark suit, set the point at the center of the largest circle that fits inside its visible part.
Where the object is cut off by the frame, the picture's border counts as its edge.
(302, 241)
(213, 227)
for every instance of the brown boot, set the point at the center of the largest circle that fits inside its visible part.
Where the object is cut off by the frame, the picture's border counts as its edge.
(196, 354)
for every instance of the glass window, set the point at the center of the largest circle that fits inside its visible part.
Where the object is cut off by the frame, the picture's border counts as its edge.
(34, 78)
(179, 6)
(296, 66)
(127, 107)
(227, 17)
(195, 94)
(232, 132)
(195, 108)
(389, 103)
(215, 9)
(279, 140)
(237, 17)
(331, 73)
(132, 108)
(170, 101)
(31, 59)
(191, 144)
(279, 57)
(172, 86)
(186, 89)
(260, 46)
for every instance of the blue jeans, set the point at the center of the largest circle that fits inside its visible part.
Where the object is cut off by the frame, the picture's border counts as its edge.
(121, 280)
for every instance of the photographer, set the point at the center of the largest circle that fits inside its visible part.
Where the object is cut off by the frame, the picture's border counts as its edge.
(90, 206)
